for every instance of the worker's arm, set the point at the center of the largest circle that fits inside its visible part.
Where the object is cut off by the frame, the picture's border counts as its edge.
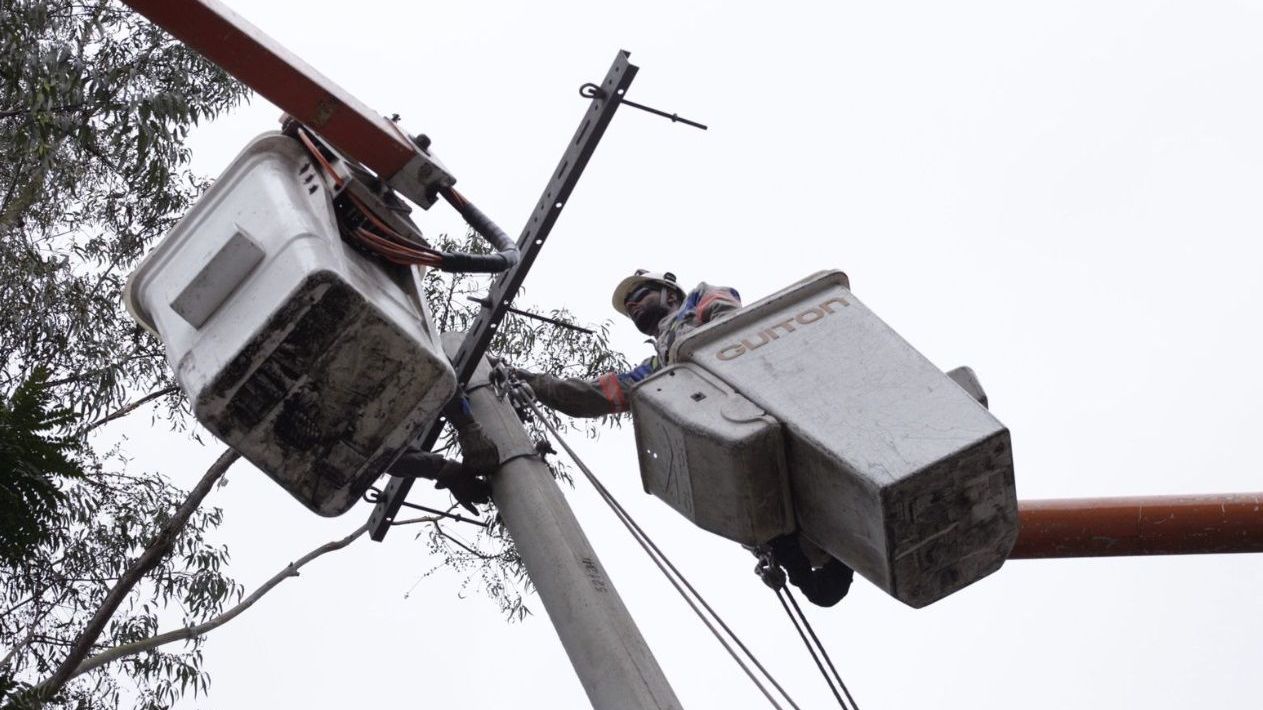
(480, 458)
(478, 452)
(611, 393)
(579, 397)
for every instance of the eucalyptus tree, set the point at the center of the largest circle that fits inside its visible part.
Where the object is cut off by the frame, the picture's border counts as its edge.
(95, 109)
(96, 106)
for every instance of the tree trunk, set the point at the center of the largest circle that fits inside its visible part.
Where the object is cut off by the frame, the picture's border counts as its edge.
(159, 548)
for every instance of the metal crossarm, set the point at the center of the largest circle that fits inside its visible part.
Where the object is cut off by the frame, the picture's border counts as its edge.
(505, 288)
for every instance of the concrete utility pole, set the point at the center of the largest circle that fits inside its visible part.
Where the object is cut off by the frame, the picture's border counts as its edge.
(609, 655)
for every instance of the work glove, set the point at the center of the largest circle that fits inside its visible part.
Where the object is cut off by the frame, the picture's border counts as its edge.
(465, 487)
(516, 373)
(828, 584)
(769, 571)
(480, 452)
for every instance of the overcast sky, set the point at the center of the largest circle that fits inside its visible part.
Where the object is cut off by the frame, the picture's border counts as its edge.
(1064, 196)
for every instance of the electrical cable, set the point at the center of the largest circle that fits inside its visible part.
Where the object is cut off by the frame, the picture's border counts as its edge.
(823, 651)
(320, 158)
(506, 254)
(403, 249)
(386, 242)
(781, 593)
(664, 564)
(382, 239)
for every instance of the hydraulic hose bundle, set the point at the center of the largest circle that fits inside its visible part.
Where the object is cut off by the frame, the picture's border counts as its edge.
(363, 227)
(506, 254)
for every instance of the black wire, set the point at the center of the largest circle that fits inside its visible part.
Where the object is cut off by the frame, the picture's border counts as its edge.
(486, 303)
(655, 553)
(715, 632)
(781, 593)
(823, 651)
(659, 559)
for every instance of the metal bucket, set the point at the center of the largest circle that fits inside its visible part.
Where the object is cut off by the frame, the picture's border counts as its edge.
(316, 363)
(894, 468)
(713, 455)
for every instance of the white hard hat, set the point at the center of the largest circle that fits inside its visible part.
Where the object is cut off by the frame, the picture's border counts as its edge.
(638, 279)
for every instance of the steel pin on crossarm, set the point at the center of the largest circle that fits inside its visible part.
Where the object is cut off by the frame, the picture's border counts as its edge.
(591, 91)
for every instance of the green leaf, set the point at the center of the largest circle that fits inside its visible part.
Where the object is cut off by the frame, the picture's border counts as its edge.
(33, 461)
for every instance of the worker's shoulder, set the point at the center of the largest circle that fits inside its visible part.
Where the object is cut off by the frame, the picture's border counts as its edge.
(704, 290)
(703, 287)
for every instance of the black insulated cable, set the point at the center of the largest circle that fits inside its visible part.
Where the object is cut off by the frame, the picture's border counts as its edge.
(824, 653)
(814, 656)
(506, 250)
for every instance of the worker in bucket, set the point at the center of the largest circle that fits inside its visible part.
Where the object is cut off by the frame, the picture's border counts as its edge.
(662, 310)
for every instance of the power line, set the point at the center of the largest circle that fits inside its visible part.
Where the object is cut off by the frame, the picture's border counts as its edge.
(823, 652)
(780, 596)
(669, 570)
(799, 620)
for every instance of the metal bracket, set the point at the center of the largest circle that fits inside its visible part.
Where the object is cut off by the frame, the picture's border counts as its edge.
(506, 286)
(519, 454)
(422, 179)
(589, 91)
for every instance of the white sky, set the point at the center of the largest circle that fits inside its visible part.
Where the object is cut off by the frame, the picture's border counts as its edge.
(1063, 195)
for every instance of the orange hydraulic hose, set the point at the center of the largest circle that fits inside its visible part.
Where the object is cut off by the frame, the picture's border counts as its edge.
(397, 253)
(383, 227)
(320, 158)
(392, 246)
(1156, 525)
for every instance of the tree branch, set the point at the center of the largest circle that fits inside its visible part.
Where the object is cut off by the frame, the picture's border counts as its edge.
(84, 374)
(8, 657)
(129, 408)
(192, 632)
(13, 185)
(34, 627)
(69, 108)
(467, 548)
(158, 548)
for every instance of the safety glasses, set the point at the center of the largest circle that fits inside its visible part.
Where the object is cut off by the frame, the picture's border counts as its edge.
(637, 295)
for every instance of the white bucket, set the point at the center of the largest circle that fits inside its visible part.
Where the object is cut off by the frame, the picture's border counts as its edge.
(314, 361)
(712, 455)
(894, 468)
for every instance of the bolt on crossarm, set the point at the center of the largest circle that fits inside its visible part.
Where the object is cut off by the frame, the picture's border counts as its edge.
(1154, 525)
